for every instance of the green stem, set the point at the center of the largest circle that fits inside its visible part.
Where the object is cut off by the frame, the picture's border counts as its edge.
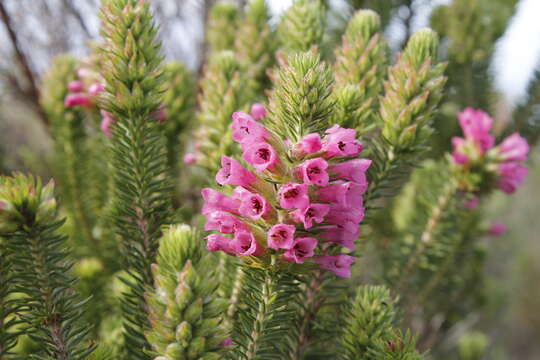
(437, 213)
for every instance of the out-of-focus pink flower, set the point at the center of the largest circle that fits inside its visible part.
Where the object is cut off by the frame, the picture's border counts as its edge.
(514, 148)
(497, 229)
(190, 158)
(261, 156)
(258, 111)
(303, 248)
(160, 114)
(338, 264)
(226, 342)
(341, 142)
(77, 99)
(76, 86)
(476, 126)
(473, 203)
(313, 172)
(95, 89)
(512, 175)
(281, 236)
(293, 196)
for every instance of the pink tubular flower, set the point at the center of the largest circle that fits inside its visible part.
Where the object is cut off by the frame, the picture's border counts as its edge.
(76, 86)
(313, 172)
(77, 99)
(348, 218)
(338, 264)
(216, 242)
(497, 229)
(353, 170)
(261, 156)
(224, 223)
(281, 236)
(347, 194)
(512, 175)
(252, 206)
(312, 213)
(309, 144)
(190, 158)
(246, 130)
(245, 244)
(302, 248)
(514, 148)
(105, 126)
(233, 173)
(476, 126)
(293, 196)
(341, 142)
(216, 201)
(258, 111)
(338, 235)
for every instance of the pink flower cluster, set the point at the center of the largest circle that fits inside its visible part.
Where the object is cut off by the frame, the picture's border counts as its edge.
(477, 148)
(297, 201)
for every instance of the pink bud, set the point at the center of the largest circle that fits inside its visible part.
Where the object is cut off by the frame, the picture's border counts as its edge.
(293, 196)
(302, 248)
(160, 114)
(246, 130)
(512, 175)
(105, 126)
(313, 172)
(281, 236)
(258, 111)
(339, 264)
(310, 144)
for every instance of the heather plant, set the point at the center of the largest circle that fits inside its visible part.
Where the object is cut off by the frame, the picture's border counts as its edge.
(290, 207)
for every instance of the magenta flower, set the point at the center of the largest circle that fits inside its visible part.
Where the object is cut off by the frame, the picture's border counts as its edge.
(252, 206)
(261, 156)
(302, 248)
(347, 194)
(160, 114)
(497, 229)
(348, 218)
(293, 196)
(473, 203)
(339, 235)
(216, 201)
(476, 126)
(233, 173)
(338, 264)
(309, 144)
(281, 236)
(312, 213)
(245, 244)
(512, 175)
(76, 86)
(226, 342)
(514, 148)
(352, 170)
(216, 242)
(458, 155)
(105, 125)
(313, 172)
(246, 130)
(77, 99)
(224, 223)
(341, 142)
(258, 111)
(190, 158)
